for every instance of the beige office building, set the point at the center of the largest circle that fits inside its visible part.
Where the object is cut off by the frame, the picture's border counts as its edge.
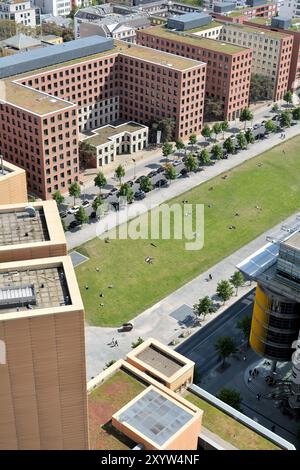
(13, 187)
(43, 400)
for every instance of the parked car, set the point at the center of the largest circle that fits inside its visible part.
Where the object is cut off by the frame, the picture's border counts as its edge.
(130, 183)
(73, 210)
(151, 174)
(115, 205)
(184, 172)
(127, 326)
(139, 195)
(104, 195)
(74, 224)
(63, 214)
(93, 215)
(162, 184)
(161, 169)
(86, 204)
(139, 179)
(113, 191)
(275, 118)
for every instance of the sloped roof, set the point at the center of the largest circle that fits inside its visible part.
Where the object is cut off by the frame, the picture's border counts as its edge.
(21, 41)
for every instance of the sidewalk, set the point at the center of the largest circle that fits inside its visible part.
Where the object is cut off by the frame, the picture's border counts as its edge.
(157, 197)
(157, 321)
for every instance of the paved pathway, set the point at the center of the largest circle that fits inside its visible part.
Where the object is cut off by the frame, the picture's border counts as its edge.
(157, 321)
(177, 187)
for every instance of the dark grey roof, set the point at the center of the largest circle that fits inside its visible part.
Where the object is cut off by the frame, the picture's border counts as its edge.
(195, 15)
(38, 58)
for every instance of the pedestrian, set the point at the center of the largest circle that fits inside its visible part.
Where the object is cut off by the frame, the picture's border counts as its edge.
(244, 358)
(249, 379)
(116, 343)
(273, 428)
(250, 372)
(210, 277)
(258, 396)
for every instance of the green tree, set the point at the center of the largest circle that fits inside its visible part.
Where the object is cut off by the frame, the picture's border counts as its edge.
(237, 280)
(275, 108)
(193, 140)
(146, 185)
(204, 157)
(228, 145)
(231, 397)
(127, 192)
(225, 346)
(206, 132)
(203, 307)
(224, 290)
(74, 190)
(249, 136)
(190, 162)
(245, 326)
(270, 126)
(288, 97)
(97, 202)
(246, 115)
(241, 139)
(7, 29)
(81, 216)
(170, 172)
(213, 108)
(217, 129)
(87, 154)
(285, 119)
(167, 149)
(166, 126)
(217, 151)
(261, 88)
(58, 197)
(120, 173)
(179, 144)
(224, 127)
(100, 181)
(296, 114)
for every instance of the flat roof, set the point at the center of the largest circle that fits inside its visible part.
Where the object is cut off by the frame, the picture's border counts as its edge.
(18, 227)
(293, 241)
(9, 169)
(160, 360)
(193, 40)
(259, 31)
(48, 287)
(212, 25)
(154, 415)
(103, 134)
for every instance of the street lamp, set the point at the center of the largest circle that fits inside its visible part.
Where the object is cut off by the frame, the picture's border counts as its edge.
(134, 163)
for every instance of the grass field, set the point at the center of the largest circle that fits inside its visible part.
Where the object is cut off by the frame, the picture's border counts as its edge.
(228, 428)
(274, 186)
(103, 402)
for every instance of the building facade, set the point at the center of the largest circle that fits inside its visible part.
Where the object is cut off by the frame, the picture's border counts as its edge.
(13, 187)
(21, 12)
(43, 111)
(228, 66)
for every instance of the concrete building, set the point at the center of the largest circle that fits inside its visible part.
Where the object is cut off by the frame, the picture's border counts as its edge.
(253, 9)
(272, 53)
(290, 8)
(228, 66)
(22, 43)
(59, 7)
(30, 231)
(13, 187)
(111, 141)
(80, 86)
(276, 314)
(21, 12)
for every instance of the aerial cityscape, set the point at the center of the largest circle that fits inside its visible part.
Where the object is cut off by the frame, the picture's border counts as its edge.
(150, 226)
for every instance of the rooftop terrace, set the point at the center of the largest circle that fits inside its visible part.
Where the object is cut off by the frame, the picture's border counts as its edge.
(103, 402)
(33, 288)
(18, 227)
(160, 360)
(103, 134)
(193, 40)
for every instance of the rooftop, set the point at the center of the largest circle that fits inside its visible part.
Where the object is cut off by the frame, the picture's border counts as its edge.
(212, 25)
(259, 31)
(103, 402)
(18, 227)
(193, 40)
(35, 288)
(160, 360)
(229, 428)
(154, 415)
(103, 134)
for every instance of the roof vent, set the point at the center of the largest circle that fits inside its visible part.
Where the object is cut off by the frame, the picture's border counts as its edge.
(30, 211)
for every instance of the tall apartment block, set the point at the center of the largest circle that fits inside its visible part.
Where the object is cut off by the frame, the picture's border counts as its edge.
(275, 325)
(272, 53)
(42, 363)
(49, 95)
(13, 187)
(228, 66)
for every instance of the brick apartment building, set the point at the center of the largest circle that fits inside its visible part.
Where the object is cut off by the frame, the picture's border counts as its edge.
(272, 52)
(48, 96)
(262, 10)
(228, 66)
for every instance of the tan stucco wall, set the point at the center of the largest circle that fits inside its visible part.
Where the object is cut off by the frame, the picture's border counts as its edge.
(13, 188)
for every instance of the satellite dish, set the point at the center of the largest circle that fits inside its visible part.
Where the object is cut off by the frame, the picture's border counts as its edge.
(30, 211)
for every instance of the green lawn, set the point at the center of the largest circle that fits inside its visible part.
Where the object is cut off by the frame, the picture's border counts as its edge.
(228, 428)
(274, 186)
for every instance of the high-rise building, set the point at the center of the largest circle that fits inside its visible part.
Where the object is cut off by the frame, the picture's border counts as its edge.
(49, 95)
(42, 349)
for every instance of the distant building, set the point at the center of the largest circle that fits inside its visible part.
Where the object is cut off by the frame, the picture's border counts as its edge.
(59, 7)
(21, 43)
(21, 12)
(290, 8)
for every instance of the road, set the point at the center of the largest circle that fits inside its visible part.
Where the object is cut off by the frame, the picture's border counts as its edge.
(200, 347)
